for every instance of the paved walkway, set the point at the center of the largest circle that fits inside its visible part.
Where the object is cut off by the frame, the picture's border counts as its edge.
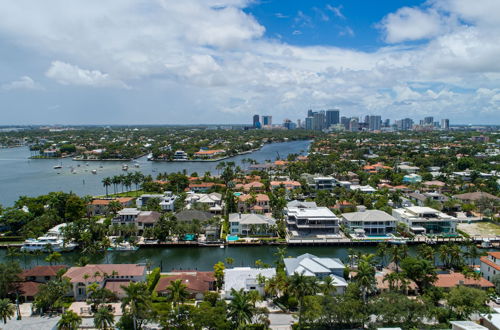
(31, 323)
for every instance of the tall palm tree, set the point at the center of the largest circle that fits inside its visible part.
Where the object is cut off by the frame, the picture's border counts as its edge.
(177, 292)
(398, 253)
(104, 318)
(106, 182)
(301, 286)
(240, 309)
(426, 252)
(69, 321)
(7, 310)
(328, 286)
(365, 278)
(138, 301)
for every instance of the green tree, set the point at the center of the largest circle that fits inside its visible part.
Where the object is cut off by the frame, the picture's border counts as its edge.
(138, 302)
(395, 309)
(106, 182)
(465, 301)
(51, 294)
(240, 309)
(69, 321)
(301, 286)
(219, 274)
(9, 277)
(54, 258)
(7, 310)
(420, 271)
(104, 318)
(177, 293)
(365, 278)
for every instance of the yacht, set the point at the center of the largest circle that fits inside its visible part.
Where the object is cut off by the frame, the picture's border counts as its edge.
(124, 167)
(45, 243)
(56, 167)
(94, 171)
(123, 247)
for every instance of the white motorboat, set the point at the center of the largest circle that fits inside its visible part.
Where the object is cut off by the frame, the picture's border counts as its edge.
(94, 171)
(56, 167)
(47, 243)
(123, 247)
(124, 167)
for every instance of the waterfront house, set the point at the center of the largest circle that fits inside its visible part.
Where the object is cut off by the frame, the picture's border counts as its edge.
(211, 202)
(180, 155)
(166, 200)
(42, 274)
(258, 203)
(140, 219)
(490, 265)
(370, 222)
(210, 229)
(251, 224)
(109, 276)
(426, 220)
(51, 153)
(301, 204)
(364, 189)
(311, 221)
(99, 206)
(310, 265)
(203, 187)
(209, 154)
(197, 283)
(245, 278)
(453, 279)
(318, 182)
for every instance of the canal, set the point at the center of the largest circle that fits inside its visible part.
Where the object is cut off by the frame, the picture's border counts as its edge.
(200, 258)
(20, 175)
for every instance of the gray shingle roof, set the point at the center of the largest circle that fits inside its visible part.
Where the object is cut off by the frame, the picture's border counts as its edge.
(368, 215)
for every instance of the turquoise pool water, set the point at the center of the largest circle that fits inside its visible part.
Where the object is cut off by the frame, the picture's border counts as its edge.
(232, 238)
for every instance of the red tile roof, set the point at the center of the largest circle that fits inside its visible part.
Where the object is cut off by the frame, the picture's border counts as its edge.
(76, 274)
(115, 286)
(489, 262)
(196, 282)
(29, 288)
(454, 279)
(39, 271)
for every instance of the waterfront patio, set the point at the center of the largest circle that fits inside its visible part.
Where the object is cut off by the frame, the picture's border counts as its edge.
(84, 310)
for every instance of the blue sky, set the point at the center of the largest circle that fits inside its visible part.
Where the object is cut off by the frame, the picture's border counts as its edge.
(350, 23)
(221, 61)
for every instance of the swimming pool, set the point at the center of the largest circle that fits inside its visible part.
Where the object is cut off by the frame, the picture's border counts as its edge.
(232, 238)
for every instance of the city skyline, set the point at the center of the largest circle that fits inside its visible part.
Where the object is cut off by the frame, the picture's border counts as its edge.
(216, 62)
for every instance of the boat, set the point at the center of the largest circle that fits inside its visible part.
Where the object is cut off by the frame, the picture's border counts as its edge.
(124, 167)
(396, 242)
(47, 243)
(222, 246)
(486, 244)
(56, 167)
(123, 247)
(137, 165)
(94, 171)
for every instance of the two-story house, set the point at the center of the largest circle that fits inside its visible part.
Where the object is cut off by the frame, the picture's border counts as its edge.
(426, 220)
(490, 265)
(109, 276)
(311, 221)
(251, 224)
(258, 203)
(370, 222)
(139, 219)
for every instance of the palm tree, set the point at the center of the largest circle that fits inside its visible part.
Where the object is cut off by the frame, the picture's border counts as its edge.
(7, 310)
(177, 292)
(426, 252)
(365, 278)
(106, 182)
(138, 301)
(398, 253)
(69, 321)
(241, 309)
(54, 257)
(328, 286)
(104, 318)
(301, 286)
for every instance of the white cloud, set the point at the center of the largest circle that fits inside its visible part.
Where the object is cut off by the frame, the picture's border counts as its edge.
(336, 10)
(23, 82)
(68, 74)
(408, 24)
(212, 56)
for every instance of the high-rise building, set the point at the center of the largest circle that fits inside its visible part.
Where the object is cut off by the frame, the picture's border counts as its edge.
(319, 120)
(445, 124)
(310, 113)
(387, 123)
(267, 120)
(309, 123)
(299, 123)
(256, 121)
(404, 124)
(428, 120)
(288, 124)
(345, 121)
(332, 117)
(354, 124)
(374, 123)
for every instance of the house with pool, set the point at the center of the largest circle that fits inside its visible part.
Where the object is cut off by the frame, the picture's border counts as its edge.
(251, 224)
(426, 220)
(369, 222)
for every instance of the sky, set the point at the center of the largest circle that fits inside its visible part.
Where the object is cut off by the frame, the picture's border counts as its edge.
(221, 61)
